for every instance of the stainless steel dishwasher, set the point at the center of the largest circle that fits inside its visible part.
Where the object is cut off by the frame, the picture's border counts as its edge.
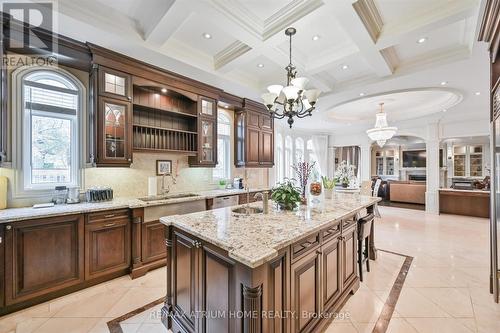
(227, 201)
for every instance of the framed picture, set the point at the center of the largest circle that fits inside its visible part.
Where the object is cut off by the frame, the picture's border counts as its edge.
(163, 167)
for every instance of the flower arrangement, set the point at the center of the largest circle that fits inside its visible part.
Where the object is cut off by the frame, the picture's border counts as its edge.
(303, 171)
(328, 183)
(286, 195)
(344, 173)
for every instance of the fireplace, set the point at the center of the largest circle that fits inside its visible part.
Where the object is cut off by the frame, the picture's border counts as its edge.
(418, 178)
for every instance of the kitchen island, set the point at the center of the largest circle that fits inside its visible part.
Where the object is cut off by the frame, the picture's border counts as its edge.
(276, 272)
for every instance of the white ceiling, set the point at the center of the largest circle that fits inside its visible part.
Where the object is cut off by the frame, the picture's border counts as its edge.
(375, 38)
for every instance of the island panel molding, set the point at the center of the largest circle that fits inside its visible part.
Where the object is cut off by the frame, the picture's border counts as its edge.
(230, 263)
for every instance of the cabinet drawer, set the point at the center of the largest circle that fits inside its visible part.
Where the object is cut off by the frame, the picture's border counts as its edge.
(331, 231)
(107, 215)
(305, 246)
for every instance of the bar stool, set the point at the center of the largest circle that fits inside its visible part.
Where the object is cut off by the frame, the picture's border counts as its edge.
(364, 228)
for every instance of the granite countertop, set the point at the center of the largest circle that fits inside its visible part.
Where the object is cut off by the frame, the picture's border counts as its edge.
(257, 238)
(464, 191)
(17, 214)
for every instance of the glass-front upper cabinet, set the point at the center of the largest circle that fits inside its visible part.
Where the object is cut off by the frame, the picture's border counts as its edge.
(207, 134)
(468, 161)
(389, 160)
(115, 84)
(385, 162)
(114, 123)
(476, 161)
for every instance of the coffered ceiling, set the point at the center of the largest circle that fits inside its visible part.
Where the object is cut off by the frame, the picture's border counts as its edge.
(341, 45)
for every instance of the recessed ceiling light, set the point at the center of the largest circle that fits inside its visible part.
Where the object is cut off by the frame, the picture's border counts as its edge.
(422, 40)
(444, 110)
(260, 65)
(344, 67)
(163, 90)
(477, 93)
(361, 94)
(227, 107)
(207, 35)
(315, 37)
(443, 83)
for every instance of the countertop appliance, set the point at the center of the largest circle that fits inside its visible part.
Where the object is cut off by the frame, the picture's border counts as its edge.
(73, 195)
(227, 201)
(238, 183)
(98, 194)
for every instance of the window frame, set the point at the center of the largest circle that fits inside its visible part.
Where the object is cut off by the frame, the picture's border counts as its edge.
(20, 123)
(226, 138)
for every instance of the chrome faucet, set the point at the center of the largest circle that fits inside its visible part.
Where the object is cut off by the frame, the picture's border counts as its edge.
(264, 195)
(165, 188)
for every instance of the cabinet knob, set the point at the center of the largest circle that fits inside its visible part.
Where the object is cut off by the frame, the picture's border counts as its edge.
(129, 98)
(130, 160)
(8, 227)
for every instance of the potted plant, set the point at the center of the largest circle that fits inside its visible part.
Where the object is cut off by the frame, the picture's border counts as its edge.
(328, 185)
(222, 184)
(303, 171)
(286, 195)
(344, 173)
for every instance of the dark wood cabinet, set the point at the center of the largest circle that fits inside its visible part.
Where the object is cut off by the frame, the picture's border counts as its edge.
(207, 134)
(349, 257)
(331, 272)
(2, 266)
(305, 286)
(153, 241)
(107, 246)
(114, 132)
(254, 136)
(43, 256)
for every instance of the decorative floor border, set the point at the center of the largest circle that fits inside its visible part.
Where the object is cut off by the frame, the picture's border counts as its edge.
(380, 326)
(114, 325)
(390, 303)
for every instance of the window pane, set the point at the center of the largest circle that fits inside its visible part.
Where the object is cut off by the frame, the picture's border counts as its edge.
(50, 144)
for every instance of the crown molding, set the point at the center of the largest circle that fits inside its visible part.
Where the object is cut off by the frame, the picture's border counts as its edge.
(370, 16)
(391, 57)
(230, 53)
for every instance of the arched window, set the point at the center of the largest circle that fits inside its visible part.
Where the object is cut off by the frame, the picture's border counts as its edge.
(299, 150)
(223, 168)
(50, 131)
(288, 157)
(279, 158)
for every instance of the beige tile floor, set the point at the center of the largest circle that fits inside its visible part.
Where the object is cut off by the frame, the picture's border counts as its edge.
(446, 289)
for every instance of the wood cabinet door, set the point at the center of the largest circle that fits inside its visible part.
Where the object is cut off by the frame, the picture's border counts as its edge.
(207, 142)
(43, 256)
(114, 132)
(331, 272)
(153, 241)
(107, 247)
(253, 147)
(305, 288)
(266, 149)
(115, 84)
(185, 279)
(218, 290)
(253, 119)
(266, 122)
(349, 255)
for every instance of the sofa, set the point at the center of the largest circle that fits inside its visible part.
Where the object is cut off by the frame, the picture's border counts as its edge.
(407, 191)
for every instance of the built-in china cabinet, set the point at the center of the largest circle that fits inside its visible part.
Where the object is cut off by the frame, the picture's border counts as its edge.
(385, 162)
(468, 161)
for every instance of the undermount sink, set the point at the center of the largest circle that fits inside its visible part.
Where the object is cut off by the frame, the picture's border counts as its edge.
(247, 210)
(169, 196)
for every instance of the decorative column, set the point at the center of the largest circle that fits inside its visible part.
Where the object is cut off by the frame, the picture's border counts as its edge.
(432, 169)
(365, 161)
(166, 310)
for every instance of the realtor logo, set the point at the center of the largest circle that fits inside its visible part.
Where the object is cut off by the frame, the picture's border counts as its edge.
(27, 38)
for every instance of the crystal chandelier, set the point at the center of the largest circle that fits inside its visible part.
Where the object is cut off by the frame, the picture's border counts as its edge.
(381, 132)
(293, 99)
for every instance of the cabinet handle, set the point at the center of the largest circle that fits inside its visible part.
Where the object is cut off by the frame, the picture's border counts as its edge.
(8, 227)
(109, 225)
(197, 244)
(109, 216)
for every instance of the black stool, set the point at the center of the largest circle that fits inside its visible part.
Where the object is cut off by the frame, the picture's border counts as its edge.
(364, 229)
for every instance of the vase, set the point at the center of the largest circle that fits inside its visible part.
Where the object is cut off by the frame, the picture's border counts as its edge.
(288, 206)
(328, 193)
(345, 185)
(303, 199)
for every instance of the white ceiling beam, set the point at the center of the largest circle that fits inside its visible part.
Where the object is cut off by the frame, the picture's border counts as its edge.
(355, 28)
(414, 26)
(159, 31)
